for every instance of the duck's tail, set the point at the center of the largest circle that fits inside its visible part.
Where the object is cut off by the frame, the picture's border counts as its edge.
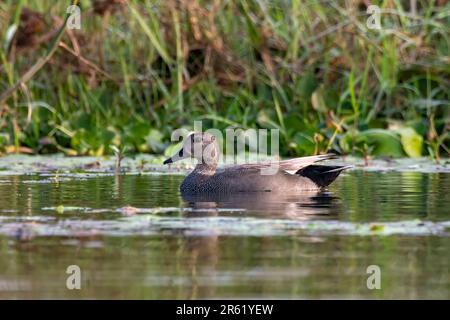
(322, 175)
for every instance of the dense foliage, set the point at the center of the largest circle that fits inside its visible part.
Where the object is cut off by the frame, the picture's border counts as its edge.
(136, 70)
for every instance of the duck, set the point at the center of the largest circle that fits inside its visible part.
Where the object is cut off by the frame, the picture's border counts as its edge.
(282, 177)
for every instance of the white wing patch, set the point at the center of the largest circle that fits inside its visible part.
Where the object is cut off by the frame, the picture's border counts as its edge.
(290, 166)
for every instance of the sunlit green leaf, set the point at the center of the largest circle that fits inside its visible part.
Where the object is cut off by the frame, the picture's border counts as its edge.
(412, 142)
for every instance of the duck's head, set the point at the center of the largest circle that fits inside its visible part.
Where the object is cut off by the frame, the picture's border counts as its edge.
(201, 146)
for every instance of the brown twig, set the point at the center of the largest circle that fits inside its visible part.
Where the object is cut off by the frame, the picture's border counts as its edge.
(85, 61)
(39, 63)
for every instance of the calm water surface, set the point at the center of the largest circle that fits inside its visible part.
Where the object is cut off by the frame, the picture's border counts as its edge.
(136, 237)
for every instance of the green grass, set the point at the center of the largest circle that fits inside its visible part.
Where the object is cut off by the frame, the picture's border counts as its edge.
(309, 68)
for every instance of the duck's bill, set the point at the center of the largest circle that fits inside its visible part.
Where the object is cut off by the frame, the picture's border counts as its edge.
(176, 157)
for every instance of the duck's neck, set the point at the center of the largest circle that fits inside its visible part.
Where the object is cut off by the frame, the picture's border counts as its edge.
(206, 168)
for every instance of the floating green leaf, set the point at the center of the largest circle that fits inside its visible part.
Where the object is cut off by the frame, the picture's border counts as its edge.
(411, 141)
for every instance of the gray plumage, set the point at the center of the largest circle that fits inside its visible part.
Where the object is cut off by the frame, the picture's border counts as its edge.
(292, 176)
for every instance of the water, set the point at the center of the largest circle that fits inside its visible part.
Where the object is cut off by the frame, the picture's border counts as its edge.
(135, 237)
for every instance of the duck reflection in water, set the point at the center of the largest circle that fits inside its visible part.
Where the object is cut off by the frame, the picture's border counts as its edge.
(201, 248)
(307, 205)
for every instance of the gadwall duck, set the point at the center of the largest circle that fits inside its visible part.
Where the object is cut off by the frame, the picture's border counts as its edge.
(291, 176)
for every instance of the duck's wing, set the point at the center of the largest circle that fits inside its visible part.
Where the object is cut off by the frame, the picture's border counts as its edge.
(290, 166)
